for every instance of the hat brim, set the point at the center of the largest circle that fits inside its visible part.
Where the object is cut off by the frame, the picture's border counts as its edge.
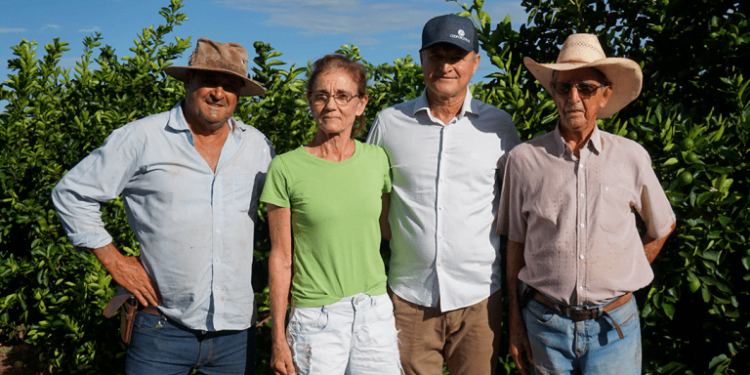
(624, 75)
(250, 88)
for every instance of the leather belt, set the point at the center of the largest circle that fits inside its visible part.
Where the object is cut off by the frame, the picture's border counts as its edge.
(580, 314)
(151, 310)
(124, 296)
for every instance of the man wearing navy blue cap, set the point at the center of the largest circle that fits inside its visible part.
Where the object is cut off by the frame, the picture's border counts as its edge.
(445, 149)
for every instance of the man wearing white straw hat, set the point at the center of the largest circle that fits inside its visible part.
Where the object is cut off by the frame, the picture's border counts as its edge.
(190, 178)
(568, 205)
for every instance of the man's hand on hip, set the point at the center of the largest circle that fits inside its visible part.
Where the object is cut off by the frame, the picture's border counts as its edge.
(130, 274)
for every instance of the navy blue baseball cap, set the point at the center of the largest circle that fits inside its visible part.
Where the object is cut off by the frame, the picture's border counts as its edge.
(450, 28)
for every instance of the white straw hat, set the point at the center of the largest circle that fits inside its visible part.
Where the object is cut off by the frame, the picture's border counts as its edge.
(584, 51)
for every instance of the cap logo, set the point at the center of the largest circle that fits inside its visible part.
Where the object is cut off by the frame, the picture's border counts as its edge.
(461, 36)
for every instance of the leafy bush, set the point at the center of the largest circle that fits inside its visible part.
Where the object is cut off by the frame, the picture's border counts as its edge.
(692, 117)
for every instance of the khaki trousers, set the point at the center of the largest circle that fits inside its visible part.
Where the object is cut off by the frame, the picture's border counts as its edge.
(468, 339)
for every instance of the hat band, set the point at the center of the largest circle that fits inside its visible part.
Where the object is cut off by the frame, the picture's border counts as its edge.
(217, 64)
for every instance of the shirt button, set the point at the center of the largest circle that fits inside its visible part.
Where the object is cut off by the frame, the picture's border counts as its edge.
(434, 287)
(217, 260)
(580, 165)
(581, 195)
(440, 264)
(440, 208)
(580, 287)
(440, 236)
(581, 256)
(442, 180)
(217, 288)
(583, 225)
(218, 231)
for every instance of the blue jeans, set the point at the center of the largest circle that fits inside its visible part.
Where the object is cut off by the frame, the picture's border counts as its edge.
(563, 346)
(162, 347)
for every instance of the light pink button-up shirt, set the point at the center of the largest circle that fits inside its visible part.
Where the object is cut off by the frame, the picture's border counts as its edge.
(576, 216)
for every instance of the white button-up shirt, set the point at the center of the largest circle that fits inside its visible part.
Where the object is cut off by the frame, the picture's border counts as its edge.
(444, 249)
(195, 226)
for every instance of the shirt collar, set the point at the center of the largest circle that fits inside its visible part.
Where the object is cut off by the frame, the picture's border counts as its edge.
(178, 122)
(595, 141)
(469, 106)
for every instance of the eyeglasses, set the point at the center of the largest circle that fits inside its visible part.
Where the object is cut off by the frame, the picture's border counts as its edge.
(584, 89)
(342, 98)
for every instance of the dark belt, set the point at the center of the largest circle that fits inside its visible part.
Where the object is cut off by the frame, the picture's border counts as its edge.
(578, 314)
(123, 296)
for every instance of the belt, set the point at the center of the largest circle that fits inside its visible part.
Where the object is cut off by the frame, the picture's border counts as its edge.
(580, 314)
(151, 310)
(124, 296)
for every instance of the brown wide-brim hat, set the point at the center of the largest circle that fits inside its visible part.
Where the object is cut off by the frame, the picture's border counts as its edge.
(584, 51)
(230, 58)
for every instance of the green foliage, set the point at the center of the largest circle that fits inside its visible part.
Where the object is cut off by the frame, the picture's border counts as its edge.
(51, 295)
(692, 118)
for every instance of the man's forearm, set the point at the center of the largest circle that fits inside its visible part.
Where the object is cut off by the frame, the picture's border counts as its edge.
(515, 262)
(652, 246)
(130, 274)
(108, 255)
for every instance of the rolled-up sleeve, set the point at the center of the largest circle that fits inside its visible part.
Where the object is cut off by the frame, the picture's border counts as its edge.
(654, 207)
(100, 177)
(510, 219)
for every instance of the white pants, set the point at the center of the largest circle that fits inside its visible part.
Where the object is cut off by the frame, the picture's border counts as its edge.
(356, 335)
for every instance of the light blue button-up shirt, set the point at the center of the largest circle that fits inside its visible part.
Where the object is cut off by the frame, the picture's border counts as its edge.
(195, 226)
(445, 192)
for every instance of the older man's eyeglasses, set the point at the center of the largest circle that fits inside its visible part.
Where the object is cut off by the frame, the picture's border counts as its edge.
(584, 89)
(341, 98)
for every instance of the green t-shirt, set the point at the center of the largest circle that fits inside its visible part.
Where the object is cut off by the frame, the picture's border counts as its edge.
(335, 210)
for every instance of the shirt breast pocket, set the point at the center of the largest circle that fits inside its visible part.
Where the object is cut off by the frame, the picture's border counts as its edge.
(242, 191)
(614, 208)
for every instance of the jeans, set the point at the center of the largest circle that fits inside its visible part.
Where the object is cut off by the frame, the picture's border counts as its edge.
(562, 346)
(356, 335)
(160, 346)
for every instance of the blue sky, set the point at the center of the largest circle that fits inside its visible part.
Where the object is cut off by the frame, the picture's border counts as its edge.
(301, 29)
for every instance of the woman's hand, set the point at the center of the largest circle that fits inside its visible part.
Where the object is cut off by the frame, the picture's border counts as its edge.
(281, 358)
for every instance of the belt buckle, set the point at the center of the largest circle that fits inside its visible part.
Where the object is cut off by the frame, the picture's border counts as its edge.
(582, 313)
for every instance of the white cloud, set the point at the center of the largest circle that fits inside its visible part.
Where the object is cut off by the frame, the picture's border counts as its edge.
(50, 27)
(411, 36)
(366, 41)
(317, 17)
(5, 30)
(89, 30)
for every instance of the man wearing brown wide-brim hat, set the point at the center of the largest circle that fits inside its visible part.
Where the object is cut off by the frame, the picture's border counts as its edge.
(190, 178)
(568, 205)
